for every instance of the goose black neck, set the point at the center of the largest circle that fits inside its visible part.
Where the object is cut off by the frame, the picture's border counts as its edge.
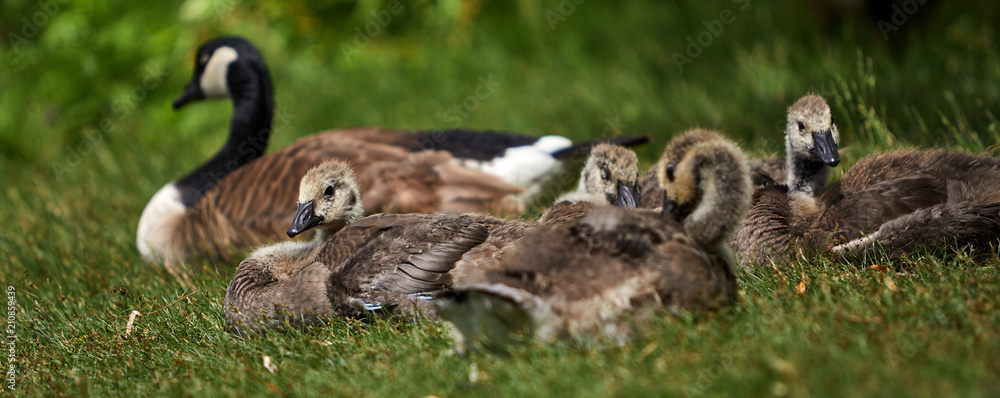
(806, 174)
(249, 132)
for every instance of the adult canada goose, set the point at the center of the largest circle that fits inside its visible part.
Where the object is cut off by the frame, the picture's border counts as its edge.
(596, 274)
(238, 198)
(355, 265)
(889, 203)
(610, 176)
(811, 142)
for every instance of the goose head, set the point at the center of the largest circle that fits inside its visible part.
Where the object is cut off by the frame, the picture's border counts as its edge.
(706, 180)
(227, 67)
(811, 141)
(329, 199)
(611, 175)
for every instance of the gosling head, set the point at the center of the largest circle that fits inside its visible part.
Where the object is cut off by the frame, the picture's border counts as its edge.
(223, 68)
(329, 199)
(707, 185)
(666, 167)
(811, 131)
(811, 140)
(612, 172)
(680, 144)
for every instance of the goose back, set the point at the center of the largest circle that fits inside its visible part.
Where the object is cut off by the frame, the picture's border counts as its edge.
(929, 228)
(978, 170)
(594, 275)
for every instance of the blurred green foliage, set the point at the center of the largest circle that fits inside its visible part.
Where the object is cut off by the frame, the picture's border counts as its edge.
(72, 64)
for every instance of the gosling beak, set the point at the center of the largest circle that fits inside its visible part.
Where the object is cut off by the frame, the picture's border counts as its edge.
(626, 197)
(191, 93)
(304, 219)
(826, 148)
(672, 209)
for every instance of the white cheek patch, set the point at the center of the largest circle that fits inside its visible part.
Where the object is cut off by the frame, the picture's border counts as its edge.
(213, 79)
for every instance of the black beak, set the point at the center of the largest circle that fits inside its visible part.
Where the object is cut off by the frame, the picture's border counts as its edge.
(304, 219)
(626, 197)
(675, 211)
(191, 93)
(826, 148)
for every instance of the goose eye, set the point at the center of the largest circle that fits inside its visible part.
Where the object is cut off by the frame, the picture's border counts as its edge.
(670, 172)
(605, 174)
(802, 126)
(328, 191)
(203, 59)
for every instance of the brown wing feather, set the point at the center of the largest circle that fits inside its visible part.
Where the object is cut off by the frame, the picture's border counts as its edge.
(940, 164)
(433, 181)
(565, 212)
(650, 194)
(589, 273)
(772, 170)
(765, 231)
(582, 259)
(402, 255)
(862, 212)
(504, 235)
(930, 228)
(464, 190)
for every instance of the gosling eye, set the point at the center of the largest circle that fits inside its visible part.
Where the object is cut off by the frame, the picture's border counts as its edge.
(802, 126)
(329, 190)
(670, 172)
(605, 174)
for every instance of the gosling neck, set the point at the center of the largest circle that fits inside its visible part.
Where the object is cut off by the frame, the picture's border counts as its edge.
(326, 231)
(806, 174)
(724, 195)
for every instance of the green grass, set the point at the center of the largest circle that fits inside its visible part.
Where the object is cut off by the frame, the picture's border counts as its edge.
(71, 200)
